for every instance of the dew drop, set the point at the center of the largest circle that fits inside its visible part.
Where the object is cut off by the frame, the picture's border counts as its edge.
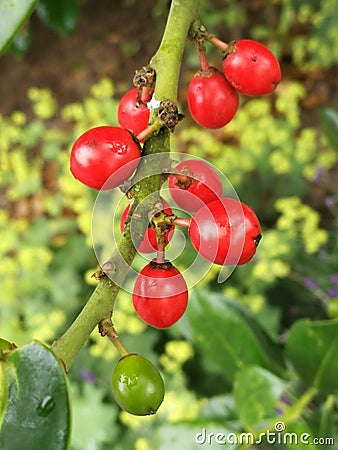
(46, 405)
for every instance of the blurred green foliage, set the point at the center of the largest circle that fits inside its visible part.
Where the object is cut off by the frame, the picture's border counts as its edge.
(224, 364)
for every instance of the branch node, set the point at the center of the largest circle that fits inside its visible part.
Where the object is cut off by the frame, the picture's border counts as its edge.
(169, 115)
(144, 77)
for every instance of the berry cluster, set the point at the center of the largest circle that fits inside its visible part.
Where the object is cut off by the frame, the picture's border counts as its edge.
(248, 67)
(222, 230)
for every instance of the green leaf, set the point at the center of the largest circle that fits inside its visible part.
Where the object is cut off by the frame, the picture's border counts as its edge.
(312, 347)
(94, 421)
(36, 412)
(61, 15)
(329, 119)
(257, 395)
(298, 436)
(13, 14)
(227, 336)
(219, 408)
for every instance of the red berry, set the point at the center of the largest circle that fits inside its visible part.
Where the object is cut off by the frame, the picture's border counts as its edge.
(130, 114)
(102, 152)
(196, 185)
(160, 294)
(149, 243)
(251, 68)
(212, 100)
(225, 232)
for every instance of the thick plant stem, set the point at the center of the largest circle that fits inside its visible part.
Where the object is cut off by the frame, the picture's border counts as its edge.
(166, 62)
(169, 55)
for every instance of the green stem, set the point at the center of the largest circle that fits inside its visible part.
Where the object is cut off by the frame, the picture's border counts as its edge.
(169, 55)
(166, 62)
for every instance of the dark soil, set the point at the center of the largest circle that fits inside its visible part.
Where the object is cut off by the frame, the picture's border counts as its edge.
(113, 40)
(110, 40)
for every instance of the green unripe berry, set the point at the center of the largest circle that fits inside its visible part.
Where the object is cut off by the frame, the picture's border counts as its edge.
(138, 387)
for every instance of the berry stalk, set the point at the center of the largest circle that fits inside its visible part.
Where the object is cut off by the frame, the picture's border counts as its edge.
(106, 328)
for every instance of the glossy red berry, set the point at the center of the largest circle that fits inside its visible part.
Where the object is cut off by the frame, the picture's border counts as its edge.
(195, 184)
(212, 101)
(137, 385)
(251, 68)
(132, 114)
(225, 232)
(160, 294)
(104, 153)
(149, 243)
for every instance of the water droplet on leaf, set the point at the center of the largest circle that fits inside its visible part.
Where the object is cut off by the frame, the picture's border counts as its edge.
(46, 405)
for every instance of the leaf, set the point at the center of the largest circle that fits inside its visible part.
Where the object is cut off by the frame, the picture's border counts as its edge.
(93, 419)
(13, 14)
(298, 436)
(219, 408)
(61, 15)
(312, 347)
(257, 395)
(36, 412)
(329, 119)
(226, 336)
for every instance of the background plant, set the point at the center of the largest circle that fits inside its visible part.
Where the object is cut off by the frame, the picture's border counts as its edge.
(282, 165)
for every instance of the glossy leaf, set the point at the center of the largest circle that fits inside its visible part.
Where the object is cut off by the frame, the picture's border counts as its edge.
(225, 335)
(257, 395)
(329, 118)
(312, 347)
(36, 413)
(61, 15)
(13, 14)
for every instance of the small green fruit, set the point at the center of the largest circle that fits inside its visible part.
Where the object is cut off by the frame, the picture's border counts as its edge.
(137, 385)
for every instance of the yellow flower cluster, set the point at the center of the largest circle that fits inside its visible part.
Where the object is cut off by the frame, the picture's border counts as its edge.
(178, 405)
(43, 104)
(287, 102)
(319, 48)
(97, 109)
(176, 354)
(253, 301)
(300, 222)
(268, 271)
(44, 327)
